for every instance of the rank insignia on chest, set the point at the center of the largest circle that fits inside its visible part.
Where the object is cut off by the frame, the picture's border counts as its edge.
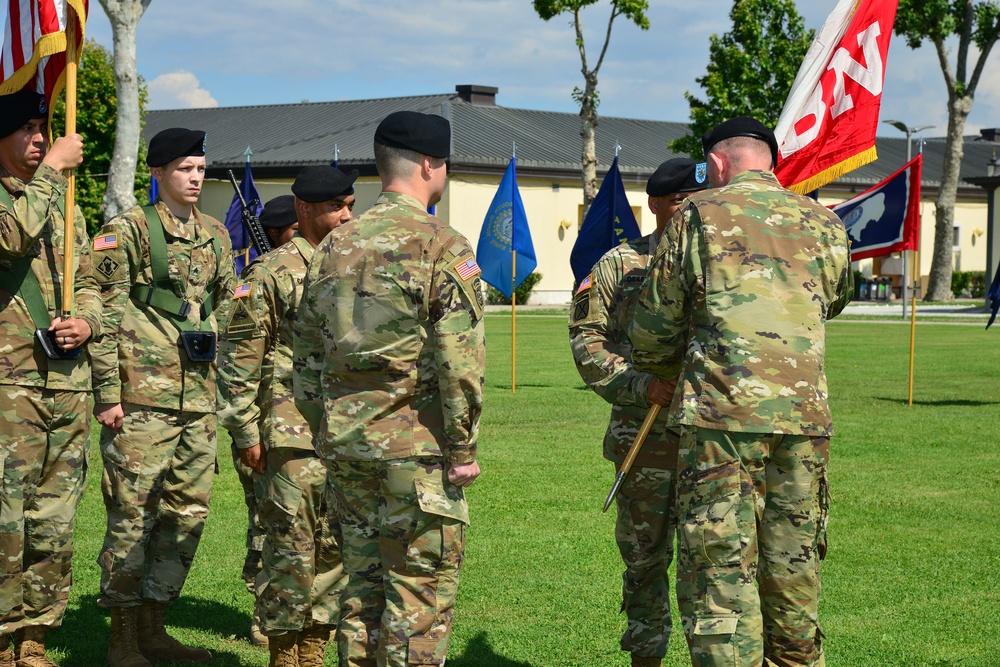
(585, 284)
(242, 291)
(107, 242)
(467, 269)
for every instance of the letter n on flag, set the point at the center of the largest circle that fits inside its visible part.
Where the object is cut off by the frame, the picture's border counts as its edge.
(885, 218)
(34, 44)
(505, 232)
(827, 126)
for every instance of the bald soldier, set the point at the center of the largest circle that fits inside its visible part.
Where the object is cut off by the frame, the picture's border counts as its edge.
(167, 279)
(388, 359)
(735, 305)
(302, 578)
(45, 390)
(598, 326)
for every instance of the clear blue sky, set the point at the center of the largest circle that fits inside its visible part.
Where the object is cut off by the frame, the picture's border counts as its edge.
(195, 53)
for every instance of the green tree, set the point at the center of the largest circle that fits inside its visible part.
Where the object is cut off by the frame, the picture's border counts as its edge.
(750, 68)
(939, 22)
(95, 121)
(588, 99)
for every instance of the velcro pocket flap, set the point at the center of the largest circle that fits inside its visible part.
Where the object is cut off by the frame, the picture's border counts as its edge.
(442, 501)
(716, 625)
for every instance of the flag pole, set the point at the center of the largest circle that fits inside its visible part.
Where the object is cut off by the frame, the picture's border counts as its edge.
(69, 235)
(513, 296)
(916, 286)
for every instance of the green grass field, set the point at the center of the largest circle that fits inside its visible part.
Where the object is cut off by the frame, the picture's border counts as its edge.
(912, 577)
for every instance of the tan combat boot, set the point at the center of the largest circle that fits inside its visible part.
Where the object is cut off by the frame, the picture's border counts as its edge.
(123, 649)
(639, 661)
(257, 638)
(156, 644)
(6, 653)
(284, 651)
(30, 641)
(312, 645)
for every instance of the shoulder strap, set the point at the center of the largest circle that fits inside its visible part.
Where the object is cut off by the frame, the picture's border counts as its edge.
(160, 294)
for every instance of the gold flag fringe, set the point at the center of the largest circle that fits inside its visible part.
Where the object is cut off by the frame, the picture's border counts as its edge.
(835, 172)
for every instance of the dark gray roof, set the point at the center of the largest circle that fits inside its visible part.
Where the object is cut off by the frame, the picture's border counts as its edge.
(286, 137)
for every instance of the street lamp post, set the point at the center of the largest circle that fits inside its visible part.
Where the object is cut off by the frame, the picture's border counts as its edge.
(910, 131)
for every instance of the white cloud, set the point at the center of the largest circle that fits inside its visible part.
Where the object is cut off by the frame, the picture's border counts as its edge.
(179, 90)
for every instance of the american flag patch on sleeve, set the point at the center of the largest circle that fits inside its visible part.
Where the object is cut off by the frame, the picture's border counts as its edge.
(467, 269)
(585, 284)
(106, 242)
(242, 291)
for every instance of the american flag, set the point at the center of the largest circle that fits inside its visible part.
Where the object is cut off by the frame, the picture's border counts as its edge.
(106, 242)
(242, 291)
(34, 44)
(585, 283)
(467, 269)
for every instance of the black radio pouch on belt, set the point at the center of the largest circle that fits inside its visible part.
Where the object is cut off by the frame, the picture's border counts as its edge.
(199, 346)
(29, 291)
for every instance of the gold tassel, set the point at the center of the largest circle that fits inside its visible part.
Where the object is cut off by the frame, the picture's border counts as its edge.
(835, 172)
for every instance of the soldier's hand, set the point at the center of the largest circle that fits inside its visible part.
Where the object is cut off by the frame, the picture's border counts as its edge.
(659, 392)
(254, 458)
(65, 153)
(463, 474)
(70, 333)
(110, 415)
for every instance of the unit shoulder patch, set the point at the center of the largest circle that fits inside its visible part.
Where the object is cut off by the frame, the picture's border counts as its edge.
(243, 321)
(586, 308)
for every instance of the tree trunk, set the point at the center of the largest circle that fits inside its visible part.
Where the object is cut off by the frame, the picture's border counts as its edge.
(588, 158)
(120, 193)
(939, 280)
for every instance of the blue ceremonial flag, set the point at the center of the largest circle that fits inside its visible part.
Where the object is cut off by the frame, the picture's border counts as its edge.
(609, 222)
(243, 250)
(506, 228)
(994, 296)
(154, 191)
(885, 218)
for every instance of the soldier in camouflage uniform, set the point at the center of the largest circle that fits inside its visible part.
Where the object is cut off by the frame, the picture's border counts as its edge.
(388, 359)
(45, 403)
(598, 325)
(302, 578)
(167, 276)
(735, 305)
(279, 223)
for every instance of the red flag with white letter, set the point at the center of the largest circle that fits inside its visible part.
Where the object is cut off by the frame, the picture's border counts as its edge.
(34, 44)
(827, 126)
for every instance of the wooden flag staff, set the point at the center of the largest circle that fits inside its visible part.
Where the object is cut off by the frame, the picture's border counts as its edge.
(69, 235)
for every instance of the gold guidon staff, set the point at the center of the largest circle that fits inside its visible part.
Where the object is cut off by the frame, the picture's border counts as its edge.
(640, 438)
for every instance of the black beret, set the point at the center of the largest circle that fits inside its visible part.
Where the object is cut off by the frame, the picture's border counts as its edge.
(424, 133)
(279, 212)
(742, 126)
(678, 175)
(170, 144)
(323, 183)
(18, 108)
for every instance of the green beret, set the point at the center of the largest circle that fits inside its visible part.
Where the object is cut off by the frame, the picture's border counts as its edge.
(170, 144)
(420, 132)
(279, 212)
(323, 183)
(18, 108)
(678, 175)
(742, 126)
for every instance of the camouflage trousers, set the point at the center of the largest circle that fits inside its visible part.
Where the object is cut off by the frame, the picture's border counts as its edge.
(645, 530)
(252, 491)
(752, 511)
(302, 577)
(43, 468)
(403, 539)
(157, 484)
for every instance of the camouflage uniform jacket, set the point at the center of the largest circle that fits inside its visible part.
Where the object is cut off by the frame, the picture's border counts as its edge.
(139, 359)
(256, 403)
(737, 304)
(35, 228)
(598, 325)
(389, 347)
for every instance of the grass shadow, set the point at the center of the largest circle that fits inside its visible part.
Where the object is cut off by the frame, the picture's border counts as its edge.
(952, 402)
(479, 653)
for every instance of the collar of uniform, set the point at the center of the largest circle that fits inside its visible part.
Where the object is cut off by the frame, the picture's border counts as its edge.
(180, 230)
(303, 246)
(753, 175)
(400, 199)
(13, 184)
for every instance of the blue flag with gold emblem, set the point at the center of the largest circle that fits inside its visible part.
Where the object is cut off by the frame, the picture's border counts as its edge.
(505, 234)
(243, 249)
(609, 222)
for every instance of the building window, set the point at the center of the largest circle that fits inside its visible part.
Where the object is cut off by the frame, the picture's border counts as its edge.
(956, 237)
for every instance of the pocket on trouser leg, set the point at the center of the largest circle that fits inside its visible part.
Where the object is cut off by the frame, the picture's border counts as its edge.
(713, 641)
(427, 651)
(277, 511)
(711, 525)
